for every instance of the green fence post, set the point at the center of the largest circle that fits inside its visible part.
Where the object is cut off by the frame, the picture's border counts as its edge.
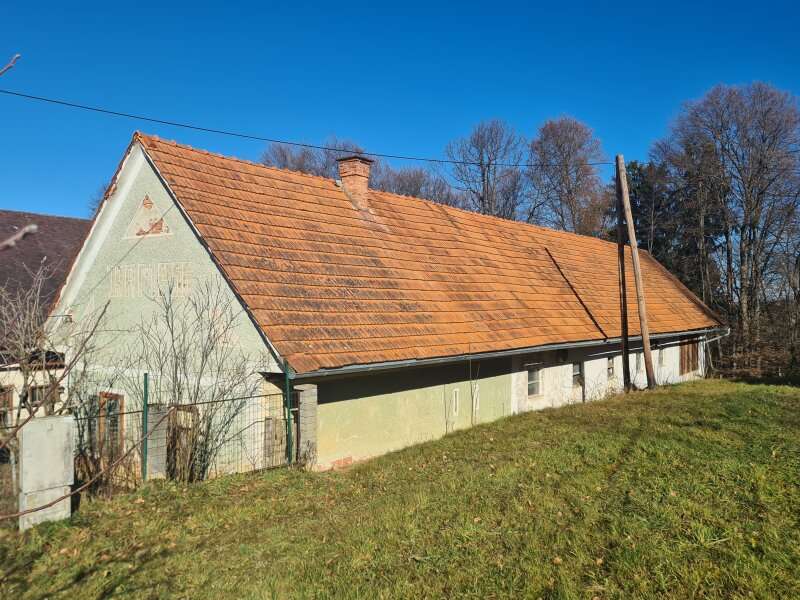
(144, 427)
(288, 405)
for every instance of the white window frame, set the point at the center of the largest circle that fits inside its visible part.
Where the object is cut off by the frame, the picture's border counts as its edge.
(538, 370)
(580, 382)
(611, 368)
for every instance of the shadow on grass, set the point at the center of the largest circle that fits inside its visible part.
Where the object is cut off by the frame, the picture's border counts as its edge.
(16, 566)
(792, 379)
(110, 576)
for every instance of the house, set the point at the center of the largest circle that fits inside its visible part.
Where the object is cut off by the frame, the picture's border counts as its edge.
(44, 244)
(398, 320)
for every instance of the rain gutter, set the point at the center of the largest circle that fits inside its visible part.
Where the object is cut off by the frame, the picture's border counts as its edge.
(402, 364)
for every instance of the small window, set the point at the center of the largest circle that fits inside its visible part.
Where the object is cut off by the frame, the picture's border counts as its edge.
(610, 367)
(41, 395)
(577, 374)
(661, 357)
(534, 381)
(638, 361)
(456, 402)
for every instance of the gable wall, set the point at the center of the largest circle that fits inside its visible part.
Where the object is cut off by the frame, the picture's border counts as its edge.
(126, 270)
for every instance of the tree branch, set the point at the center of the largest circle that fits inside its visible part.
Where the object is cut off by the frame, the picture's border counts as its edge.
(10, 64)
(12, 241)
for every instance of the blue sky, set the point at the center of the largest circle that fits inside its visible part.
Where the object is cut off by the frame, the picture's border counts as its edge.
(402, 79)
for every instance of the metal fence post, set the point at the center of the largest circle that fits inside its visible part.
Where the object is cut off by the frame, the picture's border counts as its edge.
(288, 405)
(144, 427)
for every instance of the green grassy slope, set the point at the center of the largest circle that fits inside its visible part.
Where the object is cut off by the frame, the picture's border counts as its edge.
(690, 491)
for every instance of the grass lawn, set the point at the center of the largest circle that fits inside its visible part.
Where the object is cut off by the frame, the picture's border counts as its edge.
(690, 491)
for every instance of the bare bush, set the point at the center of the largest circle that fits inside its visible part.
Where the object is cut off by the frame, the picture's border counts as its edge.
(191, 349)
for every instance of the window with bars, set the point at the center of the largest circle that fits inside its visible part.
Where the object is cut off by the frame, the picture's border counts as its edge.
(534, 381)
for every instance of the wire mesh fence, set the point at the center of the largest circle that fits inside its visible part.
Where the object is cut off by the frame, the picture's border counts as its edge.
(117, 449)
(186, 442)
(9, 472)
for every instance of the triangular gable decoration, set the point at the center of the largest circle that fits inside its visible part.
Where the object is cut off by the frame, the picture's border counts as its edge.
(147, 222)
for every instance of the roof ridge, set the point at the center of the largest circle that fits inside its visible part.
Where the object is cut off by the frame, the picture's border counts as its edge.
(139, 135)
(512, 222)
(425, 201)
(46, 215)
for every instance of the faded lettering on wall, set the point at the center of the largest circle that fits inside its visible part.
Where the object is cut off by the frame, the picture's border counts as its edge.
(144, 280)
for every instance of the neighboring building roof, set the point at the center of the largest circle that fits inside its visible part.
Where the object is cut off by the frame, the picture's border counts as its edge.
(54, 243)
(335, 283)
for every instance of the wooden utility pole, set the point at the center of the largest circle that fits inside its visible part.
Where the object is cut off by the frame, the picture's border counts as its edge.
(622, 189)
(623, 290)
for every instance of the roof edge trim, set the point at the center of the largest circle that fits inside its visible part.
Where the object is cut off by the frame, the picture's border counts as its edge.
(400, 364)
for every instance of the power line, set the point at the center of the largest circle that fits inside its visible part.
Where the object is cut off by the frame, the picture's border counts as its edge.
(259, 138)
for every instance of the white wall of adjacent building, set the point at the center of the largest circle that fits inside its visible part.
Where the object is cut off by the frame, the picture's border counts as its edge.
(584, 375)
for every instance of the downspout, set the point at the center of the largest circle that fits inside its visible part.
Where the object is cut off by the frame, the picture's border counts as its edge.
(714, 339)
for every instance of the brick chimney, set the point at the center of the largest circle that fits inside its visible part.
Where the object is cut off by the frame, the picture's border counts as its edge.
(354, 173)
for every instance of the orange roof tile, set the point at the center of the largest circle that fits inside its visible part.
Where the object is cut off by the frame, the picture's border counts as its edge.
(334, 284)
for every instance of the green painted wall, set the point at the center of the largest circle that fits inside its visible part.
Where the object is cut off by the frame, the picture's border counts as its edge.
(127, 270)
(365, 416)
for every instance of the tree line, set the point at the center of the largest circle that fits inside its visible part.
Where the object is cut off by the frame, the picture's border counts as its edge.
(550, 179)
(716, 201)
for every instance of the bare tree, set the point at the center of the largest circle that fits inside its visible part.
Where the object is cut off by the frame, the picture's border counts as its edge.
(566, 192)
(312, 161)
(420, 183)
(485, 169)
(97, 197)
(190, 348)
(754, 132)
(417, 182)
(38, 359)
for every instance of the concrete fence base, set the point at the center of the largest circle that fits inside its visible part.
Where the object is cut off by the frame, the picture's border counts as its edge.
(47, 468)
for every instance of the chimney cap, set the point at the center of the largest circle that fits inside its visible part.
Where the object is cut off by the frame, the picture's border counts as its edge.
(358, 157)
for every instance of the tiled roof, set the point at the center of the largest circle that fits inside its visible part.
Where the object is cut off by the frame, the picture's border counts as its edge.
(332, 283)
(53, 245)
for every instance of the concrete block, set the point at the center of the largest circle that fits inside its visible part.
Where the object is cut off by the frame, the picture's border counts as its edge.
(57, 512)
(307, 423)
(157, 442)
(47, 449)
